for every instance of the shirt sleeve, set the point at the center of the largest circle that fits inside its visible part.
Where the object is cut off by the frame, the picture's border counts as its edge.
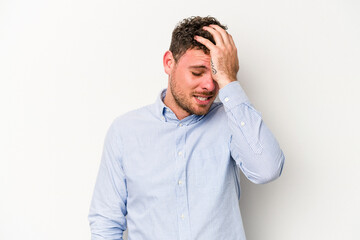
(108, 205)
(253, 147)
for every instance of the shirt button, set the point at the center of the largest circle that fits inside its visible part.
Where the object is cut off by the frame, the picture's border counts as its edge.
(180, 153)
(180, 182)
(226, 99)
(182, 216)
(163, 118)
(180, 124)
(242, 123)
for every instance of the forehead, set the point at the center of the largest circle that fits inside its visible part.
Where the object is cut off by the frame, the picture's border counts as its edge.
(194, 57)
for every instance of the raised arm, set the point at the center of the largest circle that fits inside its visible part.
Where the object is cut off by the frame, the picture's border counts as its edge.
(253, 146)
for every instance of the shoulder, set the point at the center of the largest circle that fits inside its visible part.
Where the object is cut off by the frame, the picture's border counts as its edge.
(140, 114)
(132, 121)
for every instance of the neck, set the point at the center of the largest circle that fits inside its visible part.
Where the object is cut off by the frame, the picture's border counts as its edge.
(170, 102)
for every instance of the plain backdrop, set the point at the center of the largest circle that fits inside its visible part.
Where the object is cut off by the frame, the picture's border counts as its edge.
(68, 68)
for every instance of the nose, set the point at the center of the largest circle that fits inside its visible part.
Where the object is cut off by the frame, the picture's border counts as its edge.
(208, 83)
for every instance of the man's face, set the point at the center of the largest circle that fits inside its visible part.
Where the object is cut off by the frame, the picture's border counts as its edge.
(191, 84)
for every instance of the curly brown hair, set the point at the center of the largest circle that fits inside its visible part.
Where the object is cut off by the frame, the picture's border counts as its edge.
(184, 32)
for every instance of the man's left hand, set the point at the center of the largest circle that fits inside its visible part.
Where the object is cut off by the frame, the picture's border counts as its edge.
(224, 60)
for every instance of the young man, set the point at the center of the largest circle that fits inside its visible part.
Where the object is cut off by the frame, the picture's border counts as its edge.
(172, 168)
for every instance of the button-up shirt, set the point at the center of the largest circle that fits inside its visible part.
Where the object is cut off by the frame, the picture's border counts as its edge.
(170, 179)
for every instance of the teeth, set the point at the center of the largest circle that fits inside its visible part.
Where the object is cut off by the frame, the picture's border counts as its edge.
(201, 98)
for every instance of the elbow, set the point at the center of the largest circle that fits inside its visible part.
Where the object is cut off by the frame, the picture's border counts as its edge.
(104, 228)
(274, 169)
(271, 170)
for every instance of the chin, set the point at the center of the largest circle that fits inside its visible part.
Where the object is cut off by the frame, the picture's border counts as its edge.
(201, 111)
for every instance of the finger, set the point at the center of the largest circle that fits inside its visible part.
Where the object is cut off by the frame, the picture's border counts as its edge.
(206, 42)
(216, 35)
(224, 34)
(232, 41)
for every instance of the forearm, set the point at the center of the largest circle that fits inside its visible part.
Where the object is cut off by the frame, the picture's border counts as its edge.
(253, 146)
(107, 214)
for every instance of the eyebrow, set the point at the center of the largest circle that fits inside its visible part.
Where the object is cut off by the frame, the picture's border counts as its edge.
(198, 66)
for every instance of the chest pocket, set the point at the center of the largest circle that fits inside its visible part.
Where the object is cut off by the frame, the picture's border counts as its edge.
(212, 166)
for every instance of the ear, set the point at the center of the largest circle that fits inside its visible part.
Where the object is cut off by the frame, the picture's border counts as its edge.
(168, 62)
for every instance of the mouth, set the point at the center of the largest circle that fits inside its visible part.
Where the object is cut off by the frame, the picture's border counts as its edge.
(203, 100)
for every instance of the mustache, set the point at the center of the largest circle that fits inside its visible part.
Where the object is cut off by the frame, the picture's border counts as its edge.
(209, 94)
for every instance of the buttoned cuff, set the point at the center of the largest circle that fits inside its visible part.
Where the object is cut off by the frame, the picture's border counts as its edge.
(232, 95)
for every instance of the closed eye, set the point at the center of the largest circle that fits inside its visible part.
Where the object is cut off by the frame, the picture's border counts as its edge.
(197, 74)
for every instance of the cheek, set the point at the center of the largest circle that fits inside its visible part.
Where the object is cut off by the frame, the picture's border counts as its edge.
(188, 82)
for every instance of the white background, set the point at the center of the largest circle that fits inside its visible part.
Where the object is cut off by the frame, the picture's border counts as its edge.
(68, 68)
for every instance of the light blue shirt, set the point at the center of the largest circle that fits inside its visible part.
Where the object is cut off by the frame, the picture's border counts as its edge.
(166, 179)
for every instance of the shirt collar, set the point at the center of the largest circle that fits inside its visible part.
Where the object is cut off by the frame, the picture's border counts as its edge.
(167, 115)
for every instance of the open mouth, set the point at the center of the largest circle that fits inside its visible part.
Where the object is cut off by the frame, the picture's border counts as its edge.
(203, 100)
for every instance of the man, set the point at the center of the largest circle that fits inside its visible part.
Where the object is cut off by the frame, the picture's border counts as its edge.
(172, 168)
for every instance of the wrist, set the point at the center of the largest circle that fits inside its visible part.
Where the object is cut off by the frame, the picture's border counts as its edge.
(225, 81)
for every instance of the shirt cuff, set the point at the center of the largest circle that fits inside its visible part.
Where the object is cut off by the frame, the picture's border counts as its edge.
(232, 95)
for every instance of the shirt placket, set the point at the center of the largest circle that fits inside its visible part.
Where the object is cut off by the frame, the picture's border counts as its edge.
(181, 188)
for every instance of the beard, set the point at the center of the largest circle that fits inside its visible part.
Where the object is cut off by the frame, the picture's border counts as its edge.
(185, 102)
